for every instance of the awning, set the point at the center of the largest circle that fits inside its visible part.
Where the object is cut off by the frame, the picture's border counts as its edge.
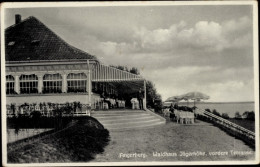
(103, 73)
(123, 81)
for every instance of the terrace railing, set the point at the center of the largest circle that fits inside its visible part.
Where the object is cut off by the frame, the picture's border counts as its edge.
(232, 126)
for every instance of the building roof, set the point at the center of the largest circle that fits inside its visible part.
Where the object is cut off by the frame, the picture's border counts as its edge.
(31, 40)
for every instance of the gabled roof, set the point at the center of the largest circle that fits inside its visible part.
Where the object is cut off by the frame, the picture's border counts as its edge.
(32, 40)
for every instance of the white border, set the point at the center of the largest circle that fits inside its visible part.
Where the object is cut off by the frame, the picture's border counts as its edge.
(157, 3)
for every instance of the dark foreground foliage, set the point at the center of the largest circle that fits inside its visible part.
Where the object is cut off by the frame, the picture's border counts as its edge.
(78, 143)
(84, 140)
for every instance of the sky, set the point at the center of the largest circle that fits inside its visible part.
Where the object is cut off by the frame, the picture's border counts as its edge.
(205, 48)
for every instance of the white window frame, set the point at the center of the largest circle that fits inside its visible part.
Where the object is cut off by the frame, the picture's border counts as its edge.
(10, 84)
(52, 84)
(77, 84)
(28, 85)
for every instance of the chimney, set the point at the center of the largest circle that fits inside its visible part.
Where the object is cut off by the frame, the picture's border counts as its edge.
(18, 18)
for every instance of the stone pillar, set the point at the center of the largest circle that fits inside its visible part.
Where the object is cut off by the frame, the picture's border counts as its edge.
(64, 83)
(40, 82)
(17, 83)
(144, 100)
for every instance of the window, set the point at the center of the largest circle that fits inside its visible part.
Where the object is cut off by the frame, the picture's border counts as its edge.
(28, 84)
(52, 83)
(10, 84)
(77, 82)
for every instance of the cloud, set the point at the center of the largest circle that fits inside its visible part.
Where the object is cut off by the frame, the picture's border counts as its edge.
(209, 36)
(232, 91)
(232, 27)
(221, 84)
(208, 56)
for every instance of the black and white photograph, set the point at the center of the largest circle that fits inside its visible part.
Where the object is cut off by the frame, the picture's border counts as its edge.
(129, 83)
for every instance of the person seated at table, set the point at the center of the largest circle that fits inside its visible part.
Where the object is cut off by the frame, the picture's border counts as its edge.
(172, 115)
(195, 111)
(106, 99)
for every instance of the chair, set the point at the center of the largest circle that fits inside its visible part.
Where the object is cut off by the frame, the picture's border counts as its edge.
(192, 118)
(182, 117)
(186, 117)
(105, 106)
(177, 114)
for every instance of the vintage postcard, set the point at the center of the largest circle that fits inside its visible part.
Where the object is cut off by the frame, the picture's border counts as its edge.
(129, 83)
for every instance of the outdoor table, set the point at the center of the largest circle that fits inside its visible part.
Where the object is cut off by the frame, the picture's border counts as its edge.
(185, 117)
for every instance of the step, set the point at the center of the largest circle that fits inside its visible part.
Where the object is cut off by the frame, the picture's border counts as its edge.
(109, 114)
(123, 124)
(135, 126)
(118, 112)
(119, 116)
(125, 119)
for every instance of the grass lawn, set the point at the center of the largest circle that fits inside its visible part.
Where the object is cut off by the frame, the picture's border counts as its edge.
(88, 141)
(176, 139)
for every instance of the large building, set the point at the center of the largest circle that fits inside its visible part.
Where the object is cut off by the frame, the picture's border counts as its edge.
(42, 67)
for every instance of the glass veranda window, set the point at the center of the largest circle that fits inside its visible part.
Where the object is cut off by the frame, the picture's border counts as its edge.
(52, 83)
(10, 84)
(77, 82)
(28, 84)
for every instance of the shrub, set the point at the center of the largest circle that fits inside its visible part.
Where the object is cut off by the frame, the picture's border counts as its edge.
(225, 115)
(216, 113)
(36, 114)
(237, 115)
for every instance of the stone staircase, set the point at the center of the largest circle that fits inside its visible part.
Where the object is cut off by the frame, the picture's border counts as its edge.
(127, 119)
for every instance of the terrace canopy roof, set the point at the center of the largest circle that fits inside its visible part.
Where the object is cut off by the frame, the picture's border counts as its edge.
(122, 80)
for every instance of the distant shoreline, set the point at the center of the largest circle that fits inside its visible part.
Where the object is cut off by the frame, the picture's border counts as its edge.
(185, 102)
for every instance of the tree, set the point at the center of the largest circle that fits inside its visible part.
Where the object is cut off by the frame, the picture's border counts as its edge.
(237, 115)
(249, 115)
(152, 95)
(126, 69)
(120, 67)
(134, 70)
